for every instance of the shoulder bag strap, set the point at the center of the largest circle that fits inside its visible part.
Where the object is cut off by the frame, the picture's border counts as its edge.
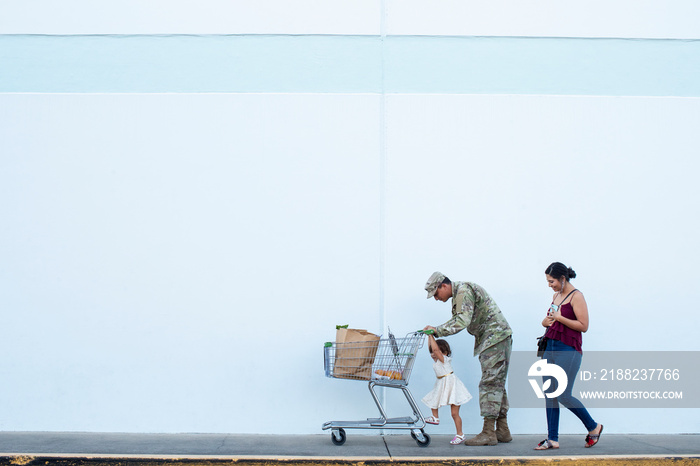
(567, 296)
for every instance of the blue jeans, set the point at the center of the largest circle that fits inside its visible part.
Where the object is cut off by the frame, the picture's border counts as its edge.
(568, 359)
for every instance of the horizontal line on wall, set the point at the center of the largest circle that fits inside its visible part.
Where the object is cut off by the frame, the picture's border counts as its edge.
(426, 36)
(331, 94)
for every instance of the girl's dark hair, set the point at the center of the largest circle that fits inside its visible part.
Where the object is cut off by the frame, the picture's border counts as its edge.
(558, 270)
(444, 347)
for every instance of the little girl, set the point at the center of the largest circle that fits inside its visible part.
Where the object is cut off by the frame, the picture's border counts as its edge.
(448, 389)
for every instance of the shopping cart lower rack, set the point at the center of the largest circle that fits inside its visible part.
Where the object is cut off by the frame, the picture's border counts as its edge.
(384, 363)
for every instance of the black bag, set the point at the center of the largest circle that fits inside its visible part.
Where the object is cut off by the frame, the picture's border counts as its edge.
(541, 345)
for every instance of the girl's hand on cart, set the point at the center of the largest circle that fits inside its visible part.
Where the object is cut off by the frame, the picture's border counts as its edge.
(430, 331)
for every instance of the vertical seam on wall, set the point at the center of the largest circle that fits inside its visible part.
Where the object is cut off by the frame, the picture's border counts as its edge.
(382, 181)
(382, 171)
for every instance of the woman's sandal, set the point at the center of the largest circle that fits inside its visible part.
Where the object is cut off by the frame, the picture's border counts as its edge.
(432, 420)
(546, 444)
(593, 439)
(458, 439)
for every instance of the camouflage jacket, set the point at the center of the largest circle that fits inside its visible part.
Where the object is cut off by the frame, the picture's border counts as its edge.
(473, 309)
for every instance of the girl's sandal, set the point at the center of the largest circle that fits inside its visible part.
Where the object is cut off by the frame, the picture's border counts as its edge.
(593, 439)
(432, 420)
(546, 444)
(458, 439)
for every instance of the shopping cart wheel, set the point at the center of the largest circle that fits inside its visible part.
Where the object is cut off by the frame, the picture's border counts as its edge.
(421, 438)
(338, 436)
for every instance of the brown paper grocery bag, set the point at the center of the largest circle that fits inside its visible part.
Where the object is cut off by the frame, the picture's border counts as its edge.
(355, 350)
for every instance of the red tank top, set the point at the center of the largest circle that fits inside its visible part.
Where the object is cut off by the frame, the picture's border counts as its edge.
(566, 335)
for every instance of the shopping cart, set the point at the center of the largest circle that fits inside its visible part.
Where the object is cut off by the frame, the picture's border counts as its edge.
(390, 367)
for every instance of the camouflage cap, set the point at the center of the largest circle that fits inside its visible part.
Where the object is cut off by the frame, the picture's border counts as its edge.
(433, 282)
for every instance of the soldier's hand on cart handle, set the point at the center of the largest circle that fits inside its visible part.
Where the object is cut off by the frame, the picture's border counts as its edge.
(428, 330)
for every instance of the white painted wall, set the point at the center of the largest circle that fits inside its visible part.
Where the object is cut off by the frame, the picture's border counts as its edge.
(492, 189)
(174, 263)
(545, 18)
(542, 18)
(203, 17)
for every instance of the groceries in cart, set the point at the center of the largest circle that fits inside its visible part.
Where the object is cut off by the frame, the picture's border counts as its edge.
(385, 362)
(391, 375)
(354, 355)
(361, 355)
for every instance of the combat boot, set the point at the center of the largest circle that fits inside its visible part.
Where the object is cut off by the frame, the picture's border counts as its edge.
(487, 435)
(502, 431)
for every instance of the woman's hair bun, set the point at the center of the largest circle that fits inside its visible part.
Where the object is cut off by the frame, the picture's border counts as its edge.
(558, 270)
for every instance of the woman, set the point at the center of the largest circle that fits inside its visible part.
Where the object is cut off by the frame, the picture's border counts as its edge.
(566, 320)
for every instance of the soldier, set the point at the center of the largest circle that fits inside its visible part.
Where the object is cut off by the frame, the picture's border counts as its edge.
(475, 310)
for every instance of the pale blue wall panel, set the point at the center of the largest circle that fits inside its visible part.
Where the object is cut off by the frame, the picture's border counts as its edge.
(542, 66)
(189, 64)
(349, 64)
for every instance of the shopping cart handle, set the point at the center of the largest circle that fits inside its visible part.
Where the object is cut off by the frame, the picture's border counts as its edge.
(427, 332)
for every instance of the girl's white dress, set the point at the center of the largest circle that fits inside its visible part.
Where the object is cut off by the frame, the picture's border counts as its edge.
(448, 389)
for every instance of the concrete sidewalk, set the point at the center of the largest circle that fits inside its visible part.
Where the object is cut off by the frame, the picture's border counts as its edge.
(52, 446)
(20, 448)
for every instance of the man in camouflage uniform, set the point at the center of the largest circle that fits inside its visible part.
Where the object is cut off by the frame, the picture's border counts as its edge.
(475, 310)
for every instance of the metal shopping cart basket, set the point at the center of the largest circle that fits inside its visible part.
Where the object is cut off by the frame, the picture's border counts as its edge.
(384, 363)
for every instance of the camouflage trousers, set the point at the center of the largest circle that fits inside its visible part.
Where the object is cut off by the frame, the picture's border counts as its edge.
(494, 360)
